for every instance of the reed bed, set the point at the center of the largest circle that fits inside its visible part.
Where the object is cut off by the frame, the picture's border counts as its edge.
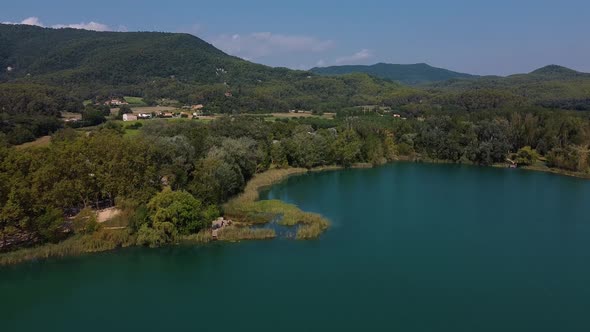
(102, 240)
(235, 233)
(247, 209)
(203, 236)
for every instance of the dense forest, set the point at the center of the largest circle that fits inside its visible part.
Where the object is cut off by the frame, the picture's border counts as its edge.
(173, 177)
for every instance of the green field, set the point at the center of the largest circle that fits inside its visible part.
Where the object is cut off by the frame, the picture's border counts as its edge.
(135, 101)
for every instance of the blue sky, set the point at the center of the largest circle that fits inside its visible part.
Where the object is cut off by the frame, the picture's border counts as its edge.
(481, 37)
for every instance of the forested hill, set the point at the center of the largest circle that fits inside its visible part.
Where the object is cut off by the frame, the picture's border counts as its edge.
(79, 56)
(182, 67)
(552, 86)
(407, 74)
(555, 71)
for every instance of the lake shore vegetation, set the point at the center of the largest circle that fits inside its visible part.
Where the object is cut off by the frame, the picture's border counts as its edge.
(173, 178)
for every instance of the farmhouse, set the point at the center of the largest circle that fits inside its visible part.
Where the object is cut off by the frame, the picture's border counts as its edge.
(143, 116)
(116, 102)
(129, 117)
(166, 115)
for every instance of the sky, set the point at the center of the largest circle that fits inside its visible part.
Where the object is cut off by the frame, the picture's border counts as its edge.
(487, 37)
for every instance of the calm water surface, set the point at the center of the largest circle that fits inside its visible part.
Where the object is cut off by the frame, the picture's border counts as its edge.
(412, 248)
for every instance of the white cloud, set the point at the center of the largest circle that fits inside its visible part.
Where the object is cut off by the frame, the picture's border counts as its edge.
(27, 21)
(359, 56)
(32, 21)
(95, 26)
(84, 26)
(262, 44)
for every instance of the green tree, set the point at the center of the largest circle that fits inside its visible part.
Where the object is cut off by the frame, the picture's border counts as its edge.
(180, 209)
(347, 148)
(49, 225)
(526, 156)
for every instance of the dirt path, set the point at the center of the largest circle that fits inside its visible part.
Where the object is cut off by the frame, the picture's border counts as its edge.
(107, 214)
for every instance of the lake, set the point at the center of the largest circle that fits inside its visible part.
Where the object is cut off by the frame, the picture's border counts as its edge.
(413, 247)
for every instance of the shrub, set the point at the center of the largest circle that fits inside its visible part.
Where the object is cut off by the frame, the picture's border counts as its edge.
(159, 234)
(85, 222)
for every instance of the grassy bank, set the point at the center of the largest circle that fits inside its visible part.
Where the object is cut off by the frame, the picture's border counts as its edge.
(557, 171)
(247, 209)
(102, 240)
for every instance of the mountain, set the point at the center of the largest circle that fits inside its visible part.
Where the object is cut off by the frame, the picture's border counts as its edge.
(178, 66)
(84, 65)
(408, 74)
(72, 56)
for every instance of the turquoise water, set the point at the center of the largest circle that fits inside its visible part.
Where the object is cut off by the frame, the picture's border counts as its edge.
(413, 247)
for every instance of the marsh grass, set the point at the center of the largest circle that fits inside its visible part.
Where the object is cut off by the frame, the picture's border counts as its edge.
(236, 233)
(204, 236)
(102, 240)
(246, 208)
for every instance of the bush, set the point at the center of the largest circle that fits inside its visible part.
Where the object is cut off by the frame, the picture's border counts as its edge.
(85, 222)
(139, 218)
(526, 156)
(135, 126)
(159, 234)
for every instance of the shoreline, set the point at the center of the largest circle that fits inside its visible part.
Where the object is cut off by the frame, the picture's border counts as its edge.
(545, 169)
(244, 208)
(111, 239)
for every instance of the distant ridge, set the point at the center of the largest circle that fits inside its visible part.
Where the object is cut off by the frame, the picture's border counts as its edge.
(557, 71)
(413, 74)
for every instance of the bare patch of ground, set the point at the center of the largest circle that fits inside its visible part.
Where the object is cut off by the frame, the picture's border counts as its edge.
(107, 214)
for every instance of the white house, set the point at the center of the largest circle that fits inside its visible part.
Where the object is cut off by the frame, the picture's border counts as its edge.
(116, 102)
(129, 117)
